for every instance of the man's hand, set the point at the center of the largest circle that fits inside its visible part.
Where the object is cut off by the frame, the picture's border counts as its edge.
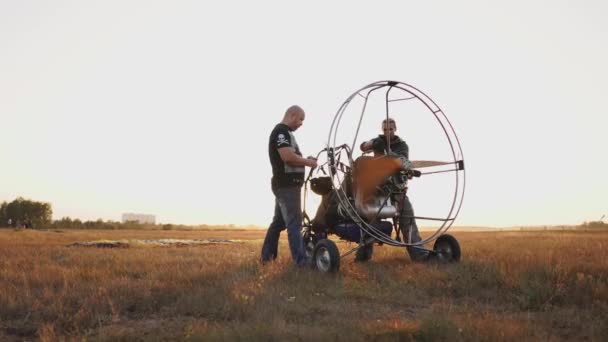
(311, 161)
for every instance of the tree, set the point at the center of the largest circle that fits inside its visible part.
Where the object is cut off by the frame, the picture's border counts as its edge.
(21, 211)
(65, 222)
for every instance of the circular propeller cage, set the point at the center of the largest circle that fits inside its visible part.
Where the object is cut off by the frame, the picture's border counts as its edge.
(391, 92)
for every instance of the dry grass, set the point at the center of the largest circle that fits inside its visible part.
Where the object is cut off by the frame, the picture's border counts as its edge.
(510, 285)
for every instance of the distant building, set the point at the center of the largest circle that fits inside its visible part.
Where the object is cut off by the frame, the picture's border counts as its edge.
(141, 218)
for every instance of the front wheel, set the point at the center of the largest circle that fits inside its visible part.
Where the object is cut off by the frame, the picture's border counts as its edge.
(447, 249)
(326, 257)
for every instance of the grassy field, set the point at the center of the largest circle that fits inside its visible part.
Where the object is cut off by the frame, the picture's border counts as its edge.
(543, 285)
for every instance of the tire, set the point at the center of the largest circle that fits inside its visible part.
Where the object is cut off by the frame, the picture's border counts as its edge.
(326, 257)
(365, 253)
(447, 249)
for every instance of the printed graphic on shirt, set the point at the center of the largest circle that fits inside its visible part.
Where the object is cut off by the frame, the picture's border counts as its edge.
(282, 140)
(289, 168)
(294, 143)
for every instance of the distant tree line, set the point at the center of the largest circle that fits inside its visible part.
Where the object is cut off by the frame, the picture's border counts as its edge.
(594, 225)
(25, 213)
(69, 223)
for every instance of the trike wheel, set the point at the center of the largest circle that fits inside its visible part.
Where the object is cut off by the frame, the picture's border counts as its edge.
(446, 249)
(326, 257)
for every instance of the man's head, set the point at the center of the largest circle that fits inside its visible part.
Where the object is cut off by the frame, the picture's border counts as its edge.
(294, 117)
(389, 127)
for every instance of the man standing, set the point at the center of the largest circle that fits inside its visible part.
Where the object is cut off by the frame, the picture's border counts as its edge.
(287, 179)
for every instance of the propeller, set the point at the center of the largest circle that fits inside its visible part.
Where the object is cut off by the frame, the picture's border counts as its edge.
(371, 172)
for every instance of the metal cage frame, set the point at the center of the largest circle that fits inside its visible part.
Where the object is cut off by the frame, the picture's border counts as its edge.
(334, 164)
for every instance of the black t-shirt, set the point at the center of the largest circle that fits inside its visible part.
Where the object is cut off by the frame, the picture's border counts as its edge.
(284, 175)
(398, 146)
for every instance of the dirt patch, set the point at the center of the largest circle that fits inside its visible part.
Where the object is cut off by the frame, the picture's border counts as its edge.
(152, 242)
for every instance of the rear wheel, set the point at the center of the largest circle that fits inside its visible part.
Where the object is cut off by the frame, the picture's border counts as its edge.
(326, 257)
(447, 249)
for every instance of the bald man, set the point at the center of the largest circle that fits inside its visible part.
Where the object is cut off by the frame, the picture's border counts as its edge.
(287, 180)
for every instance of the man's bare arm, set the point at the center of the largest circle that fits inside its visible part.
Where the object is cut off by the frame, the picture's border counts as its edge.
(289, 156)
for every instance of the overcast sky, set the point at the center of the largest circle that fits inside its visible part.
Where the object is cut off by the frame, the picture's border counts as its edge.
(165, 107)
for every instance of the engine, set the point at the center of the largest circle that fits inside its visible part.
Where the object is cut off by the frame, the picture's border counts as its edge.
(379, 207)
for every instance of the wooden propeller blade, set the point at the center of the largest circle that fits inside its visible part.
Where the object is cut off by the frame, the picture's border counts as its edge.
(371, 172)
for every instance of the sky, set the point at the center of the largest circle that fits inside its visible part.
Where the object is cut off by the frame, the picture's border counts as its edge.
(165, 108)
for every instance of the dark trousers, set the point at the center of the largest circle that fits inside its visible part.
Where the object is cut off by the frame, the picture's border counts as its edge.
(287, 214)
(409, 229)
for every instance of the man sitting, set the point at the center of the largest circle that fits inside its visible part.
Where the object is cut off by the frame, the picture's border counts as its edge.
(393, 146)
